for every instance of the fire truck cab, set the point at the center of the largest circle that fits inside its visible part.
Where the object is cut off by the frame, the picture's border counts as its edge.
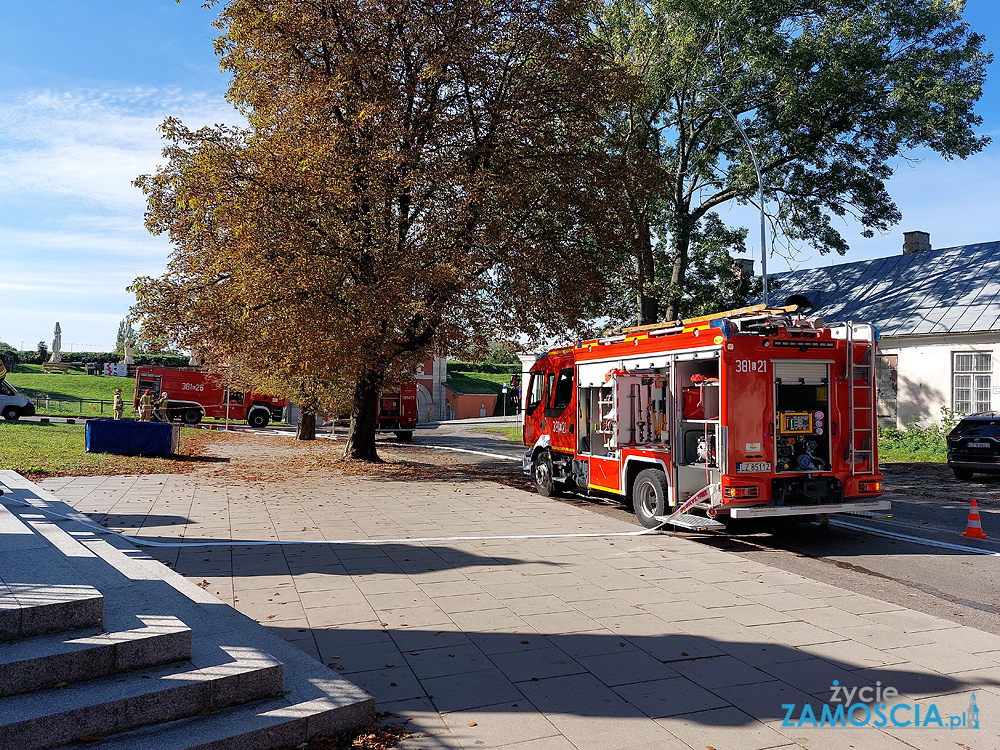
(759, 413)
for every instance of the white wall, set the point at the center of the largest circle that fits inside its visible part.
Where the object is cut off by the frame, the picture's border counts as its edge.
(925, 371)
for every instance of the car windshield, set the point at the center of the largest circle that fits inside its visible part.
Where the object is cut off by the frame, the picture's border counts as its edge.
(978, 428)
(6, 389)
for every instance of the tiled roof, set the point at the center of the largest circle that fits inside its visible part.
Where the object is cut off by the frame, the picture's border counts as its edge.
(951, 290)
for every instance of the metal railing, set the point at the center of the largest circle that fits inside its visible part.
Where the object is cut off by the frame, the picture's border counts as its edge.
(82, 407)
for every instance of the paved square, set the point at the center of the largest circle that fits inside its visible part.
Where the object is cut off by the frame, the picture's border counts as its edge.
(612, 640)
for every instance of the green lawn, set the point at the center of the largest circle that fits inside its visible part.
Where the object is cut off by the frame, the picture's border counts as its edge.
(35, 384)
(33, 448)
(516, 434)
(477, 382)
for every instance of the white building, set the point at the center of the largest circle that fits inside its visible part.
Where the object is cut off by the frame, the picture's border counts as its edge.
(938, 313)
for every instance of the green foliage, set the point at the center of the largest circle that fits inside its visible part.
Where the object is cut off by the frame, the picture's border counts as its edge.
(914, 443)
(830, 93)
(154, 360)
(43, 350)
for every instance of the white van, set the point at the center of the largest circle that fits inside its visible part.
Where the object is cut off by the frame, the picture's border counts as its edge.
(12, 404)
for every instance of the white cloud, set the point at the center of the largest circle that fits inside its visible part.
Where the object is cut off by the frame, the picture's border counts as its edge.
(90, 145)
(71, 224)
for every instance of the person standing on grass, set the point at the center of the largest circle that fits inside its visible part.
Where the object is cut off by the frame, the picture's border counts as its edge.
(146, 406)
(118, 404)
(161, 407)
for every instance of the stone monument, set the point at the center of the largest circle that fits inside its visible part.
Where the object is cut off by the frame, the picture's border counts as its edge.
(55, 363)
(129, 348)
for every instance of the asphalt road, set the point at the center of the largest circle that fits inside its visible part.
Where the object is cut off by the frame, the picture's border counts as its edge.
(954, 581)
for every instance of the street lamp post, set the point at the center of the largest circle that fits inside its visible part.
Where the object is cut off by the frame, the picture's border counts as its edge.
(760, 186)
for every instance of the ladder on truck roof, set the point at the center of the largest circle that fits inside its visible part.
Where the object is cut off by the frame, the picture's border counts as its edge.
(860, 397)
(743, 312)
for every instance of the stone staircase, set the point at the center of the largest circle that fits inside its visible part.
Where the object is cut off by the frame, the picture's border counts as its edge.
(100, 644)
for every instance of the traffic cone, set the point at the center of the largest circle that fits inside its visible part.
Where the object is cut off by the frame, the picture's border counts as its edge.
(974, 529)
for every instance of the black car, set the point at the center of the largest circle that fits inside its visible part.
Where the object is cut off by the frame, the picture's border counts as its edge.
(974, 445)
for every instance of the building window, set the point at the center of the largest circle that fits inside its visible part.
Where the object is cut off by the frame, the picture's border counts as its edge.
(972, 382)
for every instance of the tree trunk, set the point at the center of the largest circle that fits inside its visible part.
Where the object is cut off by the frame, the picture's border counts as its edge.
(306, 428)
(647, 306)
(682, 245)
(364, 412)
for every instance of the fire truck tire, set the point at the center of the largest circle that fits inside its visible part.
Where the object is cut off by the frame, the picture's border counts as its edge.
(542, 473)
(191, 416)
(258, 418)
(404, 436)
(649, 497)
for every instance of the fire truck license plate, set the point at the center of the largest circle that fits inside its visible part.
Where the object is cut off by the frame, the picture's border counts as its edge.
(753, 467)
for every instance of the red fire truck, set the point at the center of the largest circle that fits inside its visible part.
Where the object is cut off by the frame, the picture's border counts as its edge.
(758, 413)
(193, 395)
(397, 412)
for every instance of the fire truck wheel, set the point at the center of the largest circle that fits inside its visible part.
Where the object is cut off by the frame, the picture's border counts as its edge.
(404, 436)
(542, 472)
(649, 497)
(191, 416)
(258, 418)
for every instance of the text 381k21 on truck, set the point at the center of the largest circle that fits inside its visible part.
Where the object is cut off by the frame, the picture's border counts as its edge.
(743, 418)
(194, 395)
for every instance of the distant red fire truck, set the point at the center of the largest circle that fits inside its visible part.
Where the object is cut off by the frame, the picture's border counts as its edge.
(397, 412)
(749, 414)
(193, 395)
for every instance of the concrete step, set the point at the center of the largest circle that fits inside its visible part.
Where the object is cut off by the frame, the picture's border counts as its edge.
(29, 609)
(47, 661)
(262, 725)
(109, 705)
(180, 706)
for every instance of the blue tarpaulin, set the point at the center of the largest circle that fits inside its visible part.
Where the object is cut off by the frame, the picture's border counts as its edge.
(134, 438)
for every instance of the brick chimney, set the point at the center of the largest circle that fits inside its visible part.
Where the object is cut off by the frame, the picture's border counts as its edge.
(916, 242)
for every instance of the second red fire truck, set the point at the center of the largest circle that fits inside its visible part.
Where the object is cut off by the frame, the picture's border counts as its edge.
(751, 414)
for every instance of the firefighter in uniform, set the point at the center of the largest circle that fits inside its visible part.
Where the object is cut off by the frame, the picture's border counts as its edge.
(161, 407)
(118, 404)
(146, 406)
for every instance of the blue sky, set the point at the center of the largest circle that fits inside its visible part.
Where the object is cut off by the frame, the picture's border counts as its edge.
(84, 84)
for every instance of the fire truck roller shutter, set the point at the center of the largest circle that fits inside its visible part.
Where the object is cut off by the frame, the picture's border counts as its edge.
(591, 375)
(647, 362)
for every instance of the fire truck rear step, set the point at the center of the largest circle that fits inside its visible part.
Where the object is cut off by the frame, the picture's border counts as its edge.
(693, 522)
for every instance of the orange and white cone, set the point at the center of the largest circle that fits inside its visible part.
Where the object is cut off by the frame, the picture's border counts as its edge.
(974, 529)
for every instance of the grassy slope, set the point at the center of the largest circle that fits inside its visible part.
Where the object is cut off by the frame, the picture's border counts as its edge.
(477, 382)
(32, 448)
(32, 382)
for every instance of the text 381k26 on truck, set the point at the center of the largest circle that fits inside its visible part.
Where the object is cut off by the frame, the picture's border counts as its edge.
(194, 395)
(758, 413)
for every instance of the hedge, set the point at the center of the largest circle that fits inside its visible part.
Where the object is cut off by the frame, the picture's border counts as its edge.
(156, 360)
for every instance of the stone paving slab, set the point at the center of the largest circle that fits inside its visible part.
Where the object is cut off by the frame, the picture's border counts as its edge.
(602, 642)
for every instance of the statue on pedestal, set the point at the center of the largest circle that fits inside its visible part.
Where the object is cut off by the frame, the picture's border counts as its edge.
(56, 344)
(129, 348)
